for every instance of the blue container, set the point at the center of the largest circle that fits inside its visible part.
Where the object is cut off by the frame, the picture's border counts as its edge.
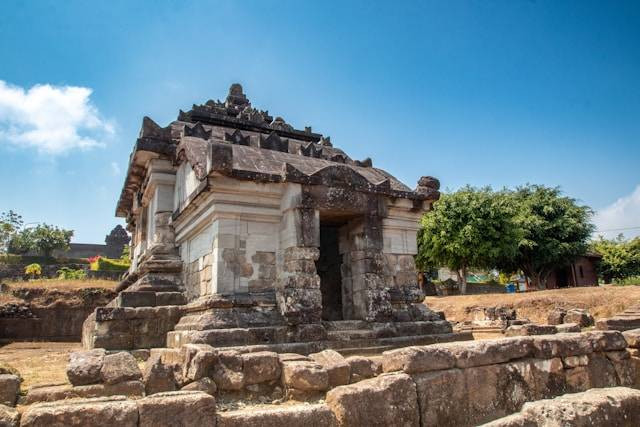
(511, 288)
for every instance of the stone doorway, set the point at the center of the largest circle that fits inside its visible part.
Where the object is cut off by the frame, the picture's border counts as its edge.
(329, 266)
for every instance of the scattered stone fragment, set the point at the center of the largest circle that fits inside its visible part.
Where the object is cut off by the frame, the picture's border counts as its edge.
(556, 316)
(158, 377)
(84, 366)
(363, 368)
(580, 316)
(529, 329)
(227, 372)
(336, 365)
(197, 361)
(9, 389)
(568, 327)
(205, 384)
(259, 367)
(305, 376)
(120, 367)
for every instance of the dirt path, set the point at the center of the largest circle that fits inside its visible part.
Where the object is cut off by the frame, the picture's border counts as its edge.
(602, 301)
(39, 362)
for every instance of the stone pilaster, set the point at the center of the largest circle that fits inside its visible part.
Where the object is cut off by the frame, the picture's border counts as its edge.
(298, 285)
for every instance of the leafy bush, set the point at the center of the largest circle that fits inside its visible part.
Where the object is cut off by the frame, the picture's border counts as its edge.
(107, 264)
(66, 273)
(33, 270)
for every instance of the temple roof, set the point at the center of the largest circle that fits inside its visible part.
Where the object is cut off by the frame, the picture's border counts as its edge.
(235, 139)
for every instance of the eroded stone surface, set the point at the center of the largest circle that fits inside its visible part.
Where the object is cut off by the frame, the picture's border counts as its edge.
(9, 417)
(119, 367)
(305, 376)
(9, 389)
(307, 415)
(260, 367)
(389, 399)
(337, 367)
(177, 408)
(98, 412)
(84, 366)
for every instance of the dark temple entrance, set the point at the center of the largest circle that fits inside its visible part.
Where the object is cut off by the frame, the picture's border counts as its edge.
(328, 267)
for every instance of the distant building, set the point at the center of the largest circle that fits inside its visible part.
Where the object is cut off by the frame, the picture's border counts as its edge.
(115, 242)
(582, 272)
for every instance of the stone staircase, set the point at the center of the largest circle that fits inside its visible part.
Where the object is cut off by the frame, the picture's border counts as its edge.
(628, 319)
(346, 337)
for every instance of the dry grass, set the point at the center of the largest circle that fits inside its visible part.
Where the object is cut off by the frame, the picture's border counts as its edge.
(602, 301)
(39, 362)
(64, 284)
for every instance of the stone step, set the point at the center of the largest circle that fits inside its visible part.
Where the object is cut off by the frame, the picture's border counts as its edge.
(348, 335)
(344, 325)
(368, 346)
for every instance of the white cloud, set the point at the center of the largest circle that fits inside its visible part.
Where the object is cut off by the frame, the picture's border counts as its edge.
(622, 216)
(52, 119)
(115, 169)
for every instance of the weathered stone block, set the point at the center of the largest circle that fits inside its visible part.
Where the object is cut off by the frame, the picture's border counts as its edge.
(177, 408)
(119, 367)
(606, 340)
(488, 352)
(363, 368)
(158, 377)
(9, 417)
(632, 337)
(561, 345)
(616, 406)
(417, 359)
(564, 328)
(336, 365)
(205, 384)
(298, 415)
(260, 367)
(442, 397)
(84, 366)
(305, 376)
(197, 361)
(9, 389)
(228, 371)
(529, 329)
(388, 400)
(98, 412)
(580, 316)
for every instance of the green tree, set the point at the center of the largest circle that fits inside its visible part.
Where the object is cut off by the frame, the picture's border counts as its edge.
(21, 242)
(469, 228)
(555, 231)
(47, 238)
(620, 258)
(10, 224)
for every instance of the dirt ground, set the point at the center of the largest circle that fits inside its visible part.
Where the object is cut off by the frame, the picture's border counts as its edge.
(602, 301)
(39, 362)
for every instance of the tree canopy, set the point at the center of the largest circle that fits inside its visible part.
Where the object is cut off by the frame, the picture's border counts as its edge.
(469, 228)
(534, 229)
(555, 231)
(620, 258)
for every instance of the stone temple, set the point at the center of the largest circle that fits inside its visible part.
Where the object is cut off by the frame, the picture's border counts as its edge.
(247, 232)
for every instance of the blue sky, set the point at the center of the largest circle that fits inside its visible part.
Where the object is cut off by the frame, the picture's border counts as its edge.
(493, 93)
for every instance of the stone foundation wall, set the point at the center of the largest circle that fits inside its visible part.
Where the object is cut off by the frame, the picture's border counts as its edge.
(461, 384)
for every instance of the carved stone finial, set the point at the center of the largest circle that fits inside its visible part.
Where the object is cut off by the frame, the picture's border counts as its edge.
(151, 129)
(366, 163)
(311, 150)
(118, 237)
(236, 97)
(197, 131)
(236, 138)
(326, 141)
(274, 142)
(429, 182)
(279, 124)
